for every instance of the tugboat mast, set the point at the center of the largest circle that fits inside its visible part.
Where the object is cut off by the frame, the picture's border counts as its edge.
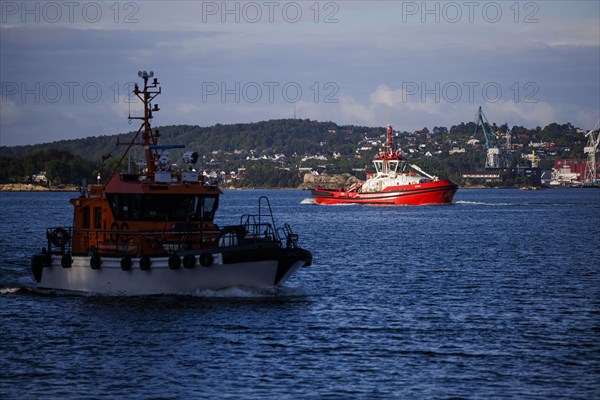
(390, 139)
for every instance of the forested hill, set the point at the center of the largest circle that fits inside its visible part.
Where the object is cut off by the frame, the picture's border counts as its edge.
(276, 153)
(287, 136)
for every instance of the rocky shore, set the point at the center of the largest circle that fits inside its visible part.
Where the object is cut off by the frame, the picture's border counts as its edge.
(28, 187)
(327, 181)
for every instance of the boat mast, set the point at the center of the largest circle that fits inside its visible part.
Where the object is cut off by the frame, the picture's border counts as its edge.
(149, 138)
(390, 140)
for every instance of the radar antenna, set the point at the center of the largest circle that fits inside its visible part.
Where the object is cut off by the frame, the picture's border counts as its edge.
(149, 138)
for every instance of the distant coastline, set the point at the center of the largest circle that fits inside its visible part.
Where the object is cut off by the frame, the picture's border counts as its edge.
(28, 187)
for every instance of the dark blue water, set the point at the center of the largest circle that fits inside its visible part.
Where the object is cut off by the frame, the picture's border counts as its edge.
(496, 296)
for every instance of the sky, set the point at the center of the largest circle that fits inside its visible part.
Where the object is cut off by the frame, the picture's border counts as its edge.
(67, 67)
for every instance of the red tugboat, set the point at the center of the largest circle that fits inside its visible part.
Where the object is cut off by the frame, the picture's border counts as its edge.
(395, 182)
(153, 232)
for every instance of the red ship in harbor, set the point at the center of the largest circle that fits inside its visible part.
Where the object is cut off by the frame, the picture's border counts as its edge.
(395, 182)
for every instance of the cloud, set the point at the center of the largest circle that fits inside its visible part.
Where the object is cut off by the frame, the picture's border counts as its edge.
(388, 105)
(9, 112)
(385, 63)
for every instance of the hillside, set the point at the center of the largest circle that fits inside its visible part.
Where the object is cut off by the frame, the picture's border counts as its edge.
(277, 153)
(276, 136)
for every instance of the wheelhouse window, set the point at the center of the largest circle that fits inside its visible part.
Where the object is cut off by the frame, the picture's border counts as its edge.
(86, 217)
(378, 165)
(97, 217)
(393, 165)
(158, 207)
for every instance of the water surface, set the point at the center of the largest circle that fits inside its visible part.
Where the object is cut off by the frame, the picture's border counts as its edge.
(495, 296)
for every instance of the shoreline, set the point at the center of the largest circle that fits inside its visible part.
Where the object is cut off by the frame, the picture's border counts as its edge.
(29, 187)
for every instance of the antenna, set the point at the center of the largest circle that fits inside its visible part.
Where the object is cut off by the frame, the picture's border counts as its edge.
(148, 137)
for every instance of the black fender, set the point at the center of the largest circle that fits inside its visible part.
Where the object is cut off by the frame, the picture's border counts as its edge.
(95, 261)
(189, 261)
(37, 266)
(145, 263)
(206, 259)
(174, 262)
(126, 263)
(66, 261)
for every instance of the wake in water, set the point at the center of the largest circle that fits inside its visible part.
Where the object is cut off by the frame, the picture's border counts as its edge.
(10, 290)
(252, 293)
(25, 285)
(19, 284)
(480, 203)
(312, 201)
(282, 292)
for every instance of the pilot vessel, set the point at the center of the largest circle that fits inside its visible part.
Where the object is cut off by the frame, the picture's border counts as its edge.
(153, 232)
(395, 182)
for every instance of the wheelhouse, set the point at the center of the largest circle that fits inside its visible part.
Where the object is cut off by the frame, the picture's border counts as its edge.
(386, 166)
(163, 207)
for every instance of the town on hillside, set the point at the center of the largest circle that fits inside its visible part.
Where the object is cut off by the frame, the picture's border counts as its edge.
(290, 153)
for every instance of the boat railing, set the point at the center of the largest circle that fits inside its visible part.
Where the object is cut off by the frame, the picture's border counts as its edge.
(253, 229)
(291, 238)
(59, 239)
(261, 226)
(63, 240)
(259, 231)
(66, 240)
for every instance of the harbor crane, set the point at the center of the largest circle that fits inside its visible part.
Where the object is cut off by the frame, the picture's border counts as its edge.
(496, 155)
(591, 172)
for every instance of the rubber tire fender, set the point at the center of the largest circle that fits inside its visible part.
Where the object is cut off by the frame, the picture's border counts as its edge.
(37, 266)
(95, 261)
(174, 262)
(145, 263)
(206, 259)
(66, 261)
(126, 263)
